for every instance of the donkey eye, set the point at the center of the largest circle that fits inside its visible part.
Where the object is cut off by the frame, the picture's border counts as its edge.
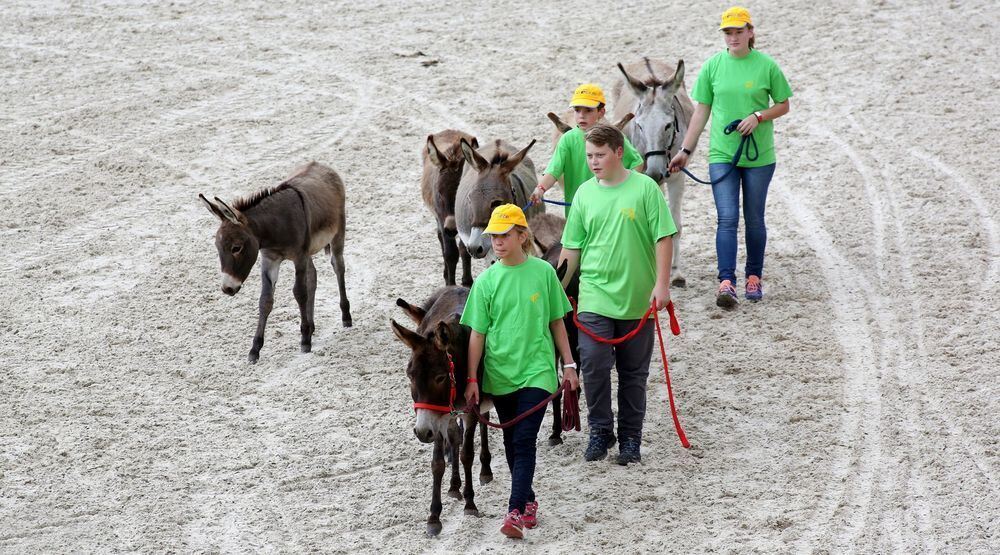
(236, 249)
(441, 379)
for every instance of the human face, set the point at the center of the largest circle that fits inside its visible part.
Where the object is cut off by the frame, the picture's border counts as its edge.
(738, 40)
(586, 117)
(507, 246)
(603, 161)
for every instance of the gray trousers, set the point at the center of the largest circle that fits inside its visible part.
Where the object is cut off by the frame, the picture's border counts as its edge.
(632, 360)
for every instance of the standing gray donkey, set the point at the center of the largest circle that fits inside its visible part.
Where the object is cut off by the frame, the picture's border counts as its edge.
(291, 221)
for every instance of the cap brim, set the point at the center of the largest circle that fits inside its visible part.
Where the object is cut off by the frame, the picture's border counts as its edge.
(733, 26)
(498, 229)
(584, 103)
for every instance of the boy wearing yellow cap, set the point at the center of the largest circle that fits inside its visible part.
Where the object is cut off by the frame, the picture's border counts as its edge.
(569, 159)
(516, 309)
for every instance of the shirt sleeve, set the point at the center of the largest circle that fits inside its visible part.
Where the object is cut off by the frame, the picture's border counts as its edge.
(661, 221)
(702, 91)
(631, 159)
(780, 89)
(558, 303)
(476, 314)
(557, 164)
(574, 234)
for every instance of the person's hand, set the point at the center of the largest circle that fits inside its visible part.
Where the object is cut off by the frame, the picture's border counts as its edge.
(748, 124)
(472, 394)
(661, 293)
(569, 374)
(536, 195)
(680, 160)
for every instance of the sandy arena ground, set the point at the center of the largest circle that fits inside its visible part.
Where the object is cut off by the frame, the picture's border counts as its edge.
(855, 410)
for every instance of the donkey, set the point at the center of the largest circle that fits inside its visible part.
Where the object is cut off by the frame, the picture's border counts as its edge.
(291, 221)
(662, 115)
(443, 163)
(438, 343)
(495, 175)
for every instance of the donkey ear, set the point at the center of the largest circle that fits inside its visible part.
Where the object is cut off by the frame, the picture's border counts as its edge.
(212, 207)
(414, 312)
(472, 157)
(558, 122)
(638, 86)
(516, 159)
(474, 142)
(434, 154)
(230, 214)
(624, 121)
(678, 78)
(410, 338)
(442, 336)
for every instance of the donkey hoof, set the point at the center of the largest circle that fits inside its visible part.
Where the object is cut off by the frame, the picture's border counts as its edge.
(555, 440)
(253, 357)
(306, 347)
(433, 529)
(454, 493)
(473, 511)
(485, 479)
(348, 322)
(678, 282)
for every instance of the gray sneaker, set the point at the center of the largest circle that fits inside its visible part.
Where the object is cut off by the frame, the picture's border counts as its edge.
(598, 447)
(628, 451)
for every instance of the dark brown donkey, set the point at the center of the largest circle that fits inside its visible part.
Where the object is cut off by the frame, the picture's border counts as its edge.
(443, 163)
(439, 343)
(291, 221)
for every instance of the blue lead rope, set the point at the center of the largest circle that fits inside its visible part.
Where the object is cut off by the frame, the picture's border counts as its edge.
(558, 202)
(736, 157)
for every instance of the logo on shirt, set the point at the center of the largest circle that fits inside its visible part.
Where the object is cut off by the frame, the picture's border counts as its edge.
(748, 84)
(629, 213)
(535, 297)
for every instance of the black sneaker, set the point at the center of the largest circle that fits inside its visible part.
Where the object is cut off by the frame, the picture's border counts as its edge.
(628, 451)
(598, 447)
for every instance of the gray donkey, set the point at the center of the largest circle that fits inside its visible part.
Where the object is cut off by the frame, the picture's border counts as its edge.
(291, 221)
(494, 175)
(663, 112)
(443, 163)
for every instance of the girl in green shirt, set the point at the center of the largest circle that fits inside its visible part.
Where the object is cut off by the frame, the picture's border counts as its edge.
(515, 310)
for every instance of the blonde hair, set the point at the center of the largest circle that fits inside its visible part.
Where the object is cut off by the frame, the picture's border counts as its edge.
(528, 242)
(749, 26)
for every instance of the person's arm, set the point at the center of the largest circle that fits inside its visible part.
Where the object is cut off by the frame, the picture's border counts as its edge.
(572, 259)
(548, 180)
(664, 254)
(690, 142)
(476, 342)
(558, 329)
(751, 122)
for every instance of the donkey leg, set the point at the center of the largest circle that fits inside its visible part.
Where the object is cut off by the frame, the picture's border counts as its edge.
(449, 248)
(463, 251)
(337, 247)
(485, 472)
(437, 471)
(305, 295)
(675, 192)
(454, 444)
(468, 446)
(268, 278)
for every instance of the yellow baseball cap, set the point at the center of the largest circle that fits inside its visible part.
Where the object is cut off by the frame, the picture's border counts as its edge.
(735, 17)
(504, 218)
(587, 95)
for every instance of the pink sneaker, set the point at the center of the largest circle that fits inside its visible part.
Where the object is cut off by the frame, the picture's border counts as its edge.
(513, 526)
(530, 518)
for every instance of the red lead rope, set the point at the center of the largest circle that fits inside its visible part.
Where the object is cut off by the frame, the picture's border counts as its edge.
(675, 328)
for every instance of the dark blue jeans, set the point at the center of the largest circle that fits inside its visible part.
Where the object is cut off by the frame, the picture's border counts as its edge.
(753, 182)
(519, 441)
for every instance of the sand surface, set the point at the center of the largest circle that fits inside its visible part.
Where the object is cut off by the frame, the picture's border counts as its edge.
(855, 410)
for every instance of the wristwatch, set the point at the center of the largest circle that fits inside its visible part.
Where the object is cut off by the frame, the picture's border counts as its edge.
(570, 365)
(686, 151)
(760, 116)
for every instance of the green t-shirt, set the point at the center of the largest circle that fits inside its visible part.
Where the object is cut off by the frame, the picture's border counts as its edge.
(513, 307)
(736, 88)
(616, 230)
(569, 161)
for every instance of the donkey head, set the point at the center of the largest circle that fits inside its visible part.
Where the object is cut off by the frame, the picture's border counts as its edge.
(236, 243)
(491, 188)
(449, 161)
(428, 371)
(655, 127)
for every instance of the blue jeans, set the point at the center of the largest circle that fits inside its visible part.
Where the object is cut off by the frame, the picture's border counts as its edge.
(519, 441)
(754, 183)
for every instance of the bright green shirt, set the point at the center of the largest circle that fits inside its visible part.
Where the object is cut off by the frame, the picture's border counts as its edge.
(513, 307)
(616, 230)
(569, 161)
(736, 88)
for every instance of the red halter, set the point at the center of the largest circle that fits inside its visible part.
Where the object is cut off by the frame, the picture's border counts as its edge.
(451, 395)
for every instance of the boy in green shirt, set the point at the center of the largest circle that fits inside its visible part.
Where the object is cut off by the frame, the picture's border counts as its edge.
(619, 235)
(569, 159)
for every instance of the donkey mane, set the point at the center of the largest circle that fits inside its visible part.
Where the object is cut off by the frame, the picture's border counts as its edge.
(254, 199)
(499, 156)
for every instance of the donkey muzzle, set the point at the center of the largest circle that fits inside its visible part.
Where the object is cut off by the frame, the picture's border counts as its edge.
(230, 285)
